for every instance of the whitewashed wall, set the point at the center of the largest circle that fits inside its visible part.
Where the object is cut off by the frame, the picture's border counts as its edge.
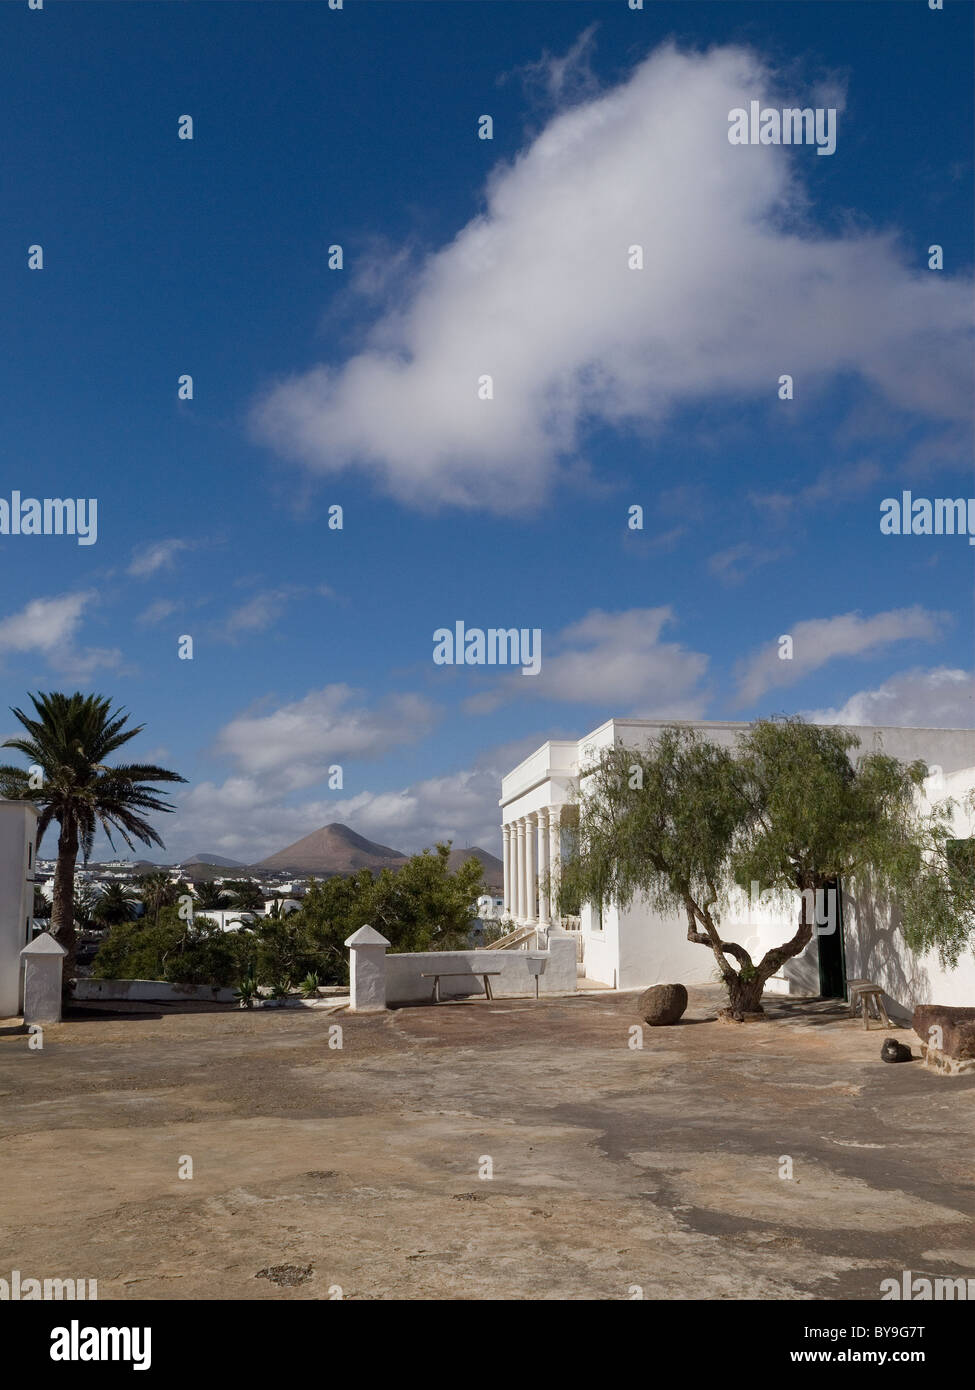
(875, 947)
(18, 835)
(404, 984)
(640, 946)
(147, 991)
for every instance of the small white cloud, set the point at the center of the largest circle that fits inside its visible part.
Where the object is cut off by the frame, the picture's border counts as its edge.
(148, 559)
(157, 612)
(49, 626)
(733, 566)
(831, 486)
(256, 615)
(44, 624)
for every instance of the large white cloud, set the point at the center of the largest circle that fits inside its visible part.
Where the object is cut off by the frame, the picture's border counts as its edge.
(614, 660)
(294, 745)
(238, 818)
(737, 289)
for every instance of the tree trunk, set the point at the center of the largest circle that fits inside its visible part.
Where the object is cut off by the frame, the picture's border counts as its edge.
(745, 996)
(62, 908)
(773, 961)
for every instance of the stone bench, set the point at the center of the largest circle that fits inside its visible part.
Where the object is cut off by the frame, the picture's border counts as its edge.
(437, 975)
(947, 1038)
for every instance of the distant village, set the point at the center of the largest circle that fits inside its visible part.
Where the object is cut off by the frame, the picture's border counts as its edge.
(232, 894)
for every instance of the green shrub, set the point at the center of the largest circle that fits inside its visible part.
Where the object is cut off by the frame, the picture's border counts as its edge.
(179, 952)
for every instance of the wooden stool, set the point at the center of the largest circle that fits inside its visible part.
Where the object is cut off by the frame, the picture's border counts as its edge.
(862, 993)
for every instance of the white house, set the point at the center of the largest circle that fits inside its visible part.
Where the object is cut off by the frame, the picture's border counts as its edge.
(639, 947)
(18, 843)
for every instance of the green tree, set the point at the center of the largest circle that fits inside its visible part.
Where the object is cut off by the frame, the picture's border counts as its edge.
(85, 907)
(116, 904)
(157, 890)
(210, 896)
(70, 738)
(423, 906)
(174, 950)
(687, 823)
(243, 893)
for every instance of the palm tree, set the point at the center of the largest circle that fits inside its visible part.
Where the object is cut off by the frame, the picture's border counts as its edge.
(116, 904)
(157, 890)
(210, 895)
(70, 740)
(244, 893)
(85, 907)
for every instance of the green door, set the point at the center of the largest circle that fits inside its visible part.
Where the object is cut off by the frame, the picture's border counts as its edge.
(832, 955)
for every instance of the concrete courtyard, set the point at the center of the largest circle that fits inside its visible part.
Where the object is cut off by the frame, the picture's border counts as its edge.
(356, 1172)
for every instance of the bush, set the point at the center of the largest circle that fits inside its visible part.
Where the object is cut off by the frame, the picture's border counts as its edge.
(179, 952)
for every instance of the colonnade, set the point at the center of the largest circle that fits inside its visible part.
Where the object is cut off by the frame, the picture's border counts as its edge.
(531, 863)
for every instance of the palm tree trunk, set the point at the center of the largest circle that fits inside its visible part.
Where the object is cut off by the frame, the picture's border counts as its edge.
(62, 908)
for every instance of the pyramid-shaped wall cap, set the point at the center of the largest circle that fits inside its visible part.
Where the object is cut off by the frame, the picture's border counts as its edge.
(366, 936)
(44, 945)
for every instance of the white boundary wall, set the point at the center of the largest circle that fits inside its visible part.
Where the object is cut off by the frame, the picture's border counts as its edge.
(148, 990)
(18, 835)
(404, 984)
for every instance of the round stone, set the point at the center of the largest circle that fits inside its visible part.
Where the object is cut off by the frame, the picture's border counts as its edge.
(661, 1004)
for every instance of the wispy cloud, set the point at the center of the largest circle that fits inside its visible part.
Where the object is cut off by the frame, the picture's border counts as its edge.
(734, 565)
(832, 485)
(263, 610)
(817, 641)
(157, 612)
(149, 559)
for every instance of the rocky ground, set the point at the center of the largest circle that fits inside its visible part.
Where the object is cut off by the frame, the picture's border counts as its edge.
(362, 1171)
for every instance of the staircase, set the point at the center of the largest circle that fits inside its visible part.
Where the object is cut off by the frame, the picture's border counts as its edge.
(514, 941)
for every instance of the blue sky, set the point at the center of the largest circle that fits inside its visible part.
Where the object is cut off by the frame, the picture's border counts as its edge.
(357, 387)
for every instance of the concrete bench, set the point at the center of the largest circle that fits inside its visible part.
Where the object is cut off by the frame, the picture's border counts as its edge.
(439, 975)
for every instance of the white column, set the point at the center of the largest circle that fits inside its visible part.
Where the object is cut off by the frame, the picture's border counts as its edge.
(519, 870)
(531, 833)
(43, 960)
(506, 836)
(367, 971)
(554, 851)
(544, 896)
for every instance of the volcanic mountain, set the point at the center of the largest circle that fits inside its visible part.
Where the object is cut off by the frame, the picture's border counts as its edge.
(217, 860)
(334, 849)
(492, 865)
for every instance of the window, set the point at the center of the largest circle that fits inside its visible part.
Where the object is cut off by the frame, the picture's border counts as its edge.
(961, 862)
(30, 854)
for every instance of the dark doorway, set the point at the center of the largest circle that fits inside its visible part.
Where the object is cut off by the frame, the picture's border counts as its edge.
(832, 953)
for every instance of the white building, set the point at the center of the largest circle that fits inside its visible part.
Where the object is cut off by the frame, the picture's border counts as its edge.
(637, 947)
(18, 842)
